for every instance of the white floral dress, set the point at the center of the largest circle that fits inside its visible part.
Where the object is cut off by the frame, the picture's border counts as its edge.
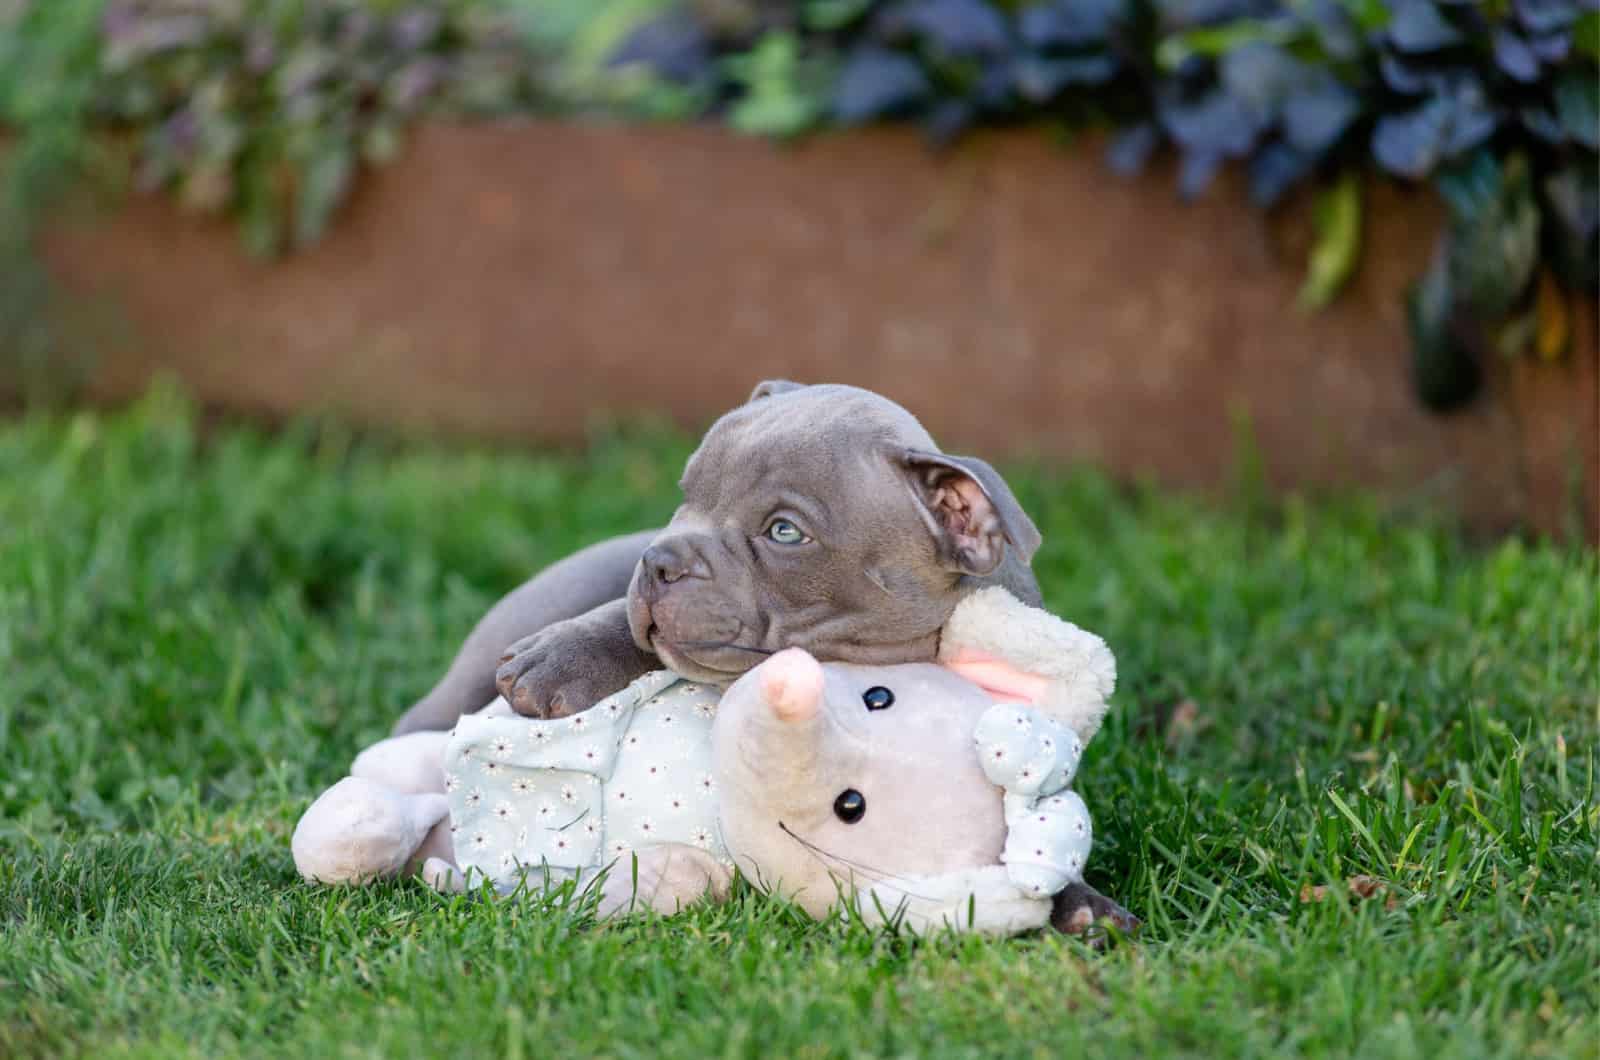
(579, 793)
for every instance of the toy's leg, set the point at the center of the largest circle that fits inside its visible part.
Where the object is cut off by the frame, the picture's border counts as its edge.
(410, 765)
(669, 877)
(437, 845)
(1082, 910)
(575, 585)
(443, 876)
(359, 831)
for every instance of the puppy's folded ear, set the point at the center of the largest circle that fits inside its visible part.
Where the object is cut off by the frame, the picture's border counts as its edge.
(772, 387)
(970, 510)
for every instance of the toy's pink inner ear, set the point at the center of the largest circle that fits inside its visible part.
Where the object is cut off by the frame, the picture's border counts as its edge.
(791, 684)
(997, 677)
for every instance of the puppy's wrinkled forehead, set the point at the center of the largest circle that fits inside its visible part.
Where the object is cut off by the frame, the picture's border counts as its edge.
(810, 438)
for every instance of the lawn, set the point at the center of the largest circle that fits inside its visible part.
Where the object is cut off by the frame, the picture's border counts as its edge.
(200, 624)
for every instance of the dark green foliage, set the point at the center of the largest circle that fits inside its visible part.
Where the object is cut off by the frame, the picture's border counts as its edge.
(1417, 88)
(198, 629)
(262, 109)
(268, 107)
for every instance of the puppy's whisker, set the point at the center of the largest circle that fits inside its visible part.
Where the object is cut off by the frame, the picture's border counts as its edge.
(878, 875)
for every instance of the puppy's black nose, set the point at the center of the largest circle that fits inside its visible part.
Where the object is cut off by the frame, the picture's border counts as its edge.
(671, 561)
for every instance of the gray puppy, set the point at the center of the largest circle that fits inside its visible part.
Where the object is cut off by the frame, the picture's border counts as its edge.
(820, 517)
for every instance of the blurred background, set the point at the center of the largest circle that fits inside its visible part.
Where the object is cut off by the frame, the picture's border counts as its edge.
(1328, 245)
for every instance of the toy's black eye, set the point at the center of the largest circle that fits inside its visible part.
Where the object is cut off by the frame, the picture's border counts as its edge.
(850, 806)
(878, 698)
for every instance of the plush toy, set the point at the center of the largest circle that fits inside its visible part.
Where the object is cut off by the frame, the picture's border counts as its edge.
(925, 794)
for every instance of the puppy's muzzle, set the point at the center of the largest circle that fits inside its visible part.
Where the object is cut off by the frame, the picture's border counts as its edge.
(667, 563)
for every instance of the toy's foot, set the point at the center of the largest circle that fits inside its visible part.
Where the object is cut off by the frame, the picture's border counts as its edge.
(443, 876)
(1082, 910)
(358, 831)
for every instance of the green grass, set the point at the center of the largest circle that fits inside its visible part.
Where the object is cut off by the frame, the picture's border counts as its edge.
(198, 628)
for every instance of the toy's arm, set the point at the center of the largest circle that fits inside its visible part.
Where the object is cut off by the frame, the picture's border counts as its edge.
(665, 878)
(1024, 654)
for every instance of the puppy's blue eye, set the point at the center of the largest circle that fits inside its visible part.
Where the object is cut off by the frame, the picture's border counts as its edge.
(785, 533)
(878, 698)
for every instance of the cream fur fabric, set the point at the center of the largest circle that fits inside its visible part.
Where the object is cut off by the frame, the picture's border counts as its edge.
(1080, 668)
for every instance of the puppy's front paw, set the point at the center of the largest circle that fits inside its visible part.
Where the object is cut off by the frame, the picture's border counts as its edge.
(570, 666)
(556, 673)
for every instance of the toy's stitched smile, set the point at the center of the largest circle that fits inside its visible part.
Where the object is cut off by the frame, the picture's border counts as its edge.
(878, 876)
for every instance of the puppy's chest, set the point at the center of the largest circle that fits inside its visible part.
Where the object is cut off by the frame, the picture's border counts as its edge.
(582, 792)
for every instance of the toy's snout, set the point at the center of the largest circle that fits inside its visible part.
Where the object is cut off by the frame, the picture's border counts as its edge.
(791, 685)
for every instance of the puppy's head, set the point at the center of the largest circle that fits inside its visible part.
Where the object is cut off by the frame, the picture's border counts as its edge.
(823, 518)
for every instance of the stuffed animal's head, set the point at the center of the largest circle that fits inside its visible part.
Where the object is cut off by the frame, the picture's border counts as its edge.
(933, 793)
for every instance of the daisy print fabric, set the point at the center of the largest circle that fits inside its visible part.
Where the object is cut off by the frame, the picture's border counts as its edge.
(581, 792)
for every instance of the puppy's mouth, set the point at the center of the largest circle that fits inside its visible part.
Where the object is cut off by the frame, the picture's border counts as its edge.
(714, 652)
(716, 661)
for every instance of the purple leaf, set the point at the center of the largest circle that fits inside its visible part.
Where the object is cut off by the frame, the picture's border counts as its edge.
(960, 28)
(673, 47)
(414, 28)
(1069, 23)
(1338, 34)
(1196, 172)
(1402, 77)
(408, 86)
(1543, 124)
(136, 38)
(1552, 48)
(875, 82)
(1260, 75)
(1039, 79)
(1274, 170)
(355, 29)
(1184, 13)
(1409, 144)
(948, 120)
(260, 52)
(302, 69)
(180, 134)
(1315, 118)
(119, 21)
(1470, 125)
(1131, 148)
(1577, 207)
(1417, 26)
(1546, 16)
(993, 90)
(1514, 56)
(1217, 124)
